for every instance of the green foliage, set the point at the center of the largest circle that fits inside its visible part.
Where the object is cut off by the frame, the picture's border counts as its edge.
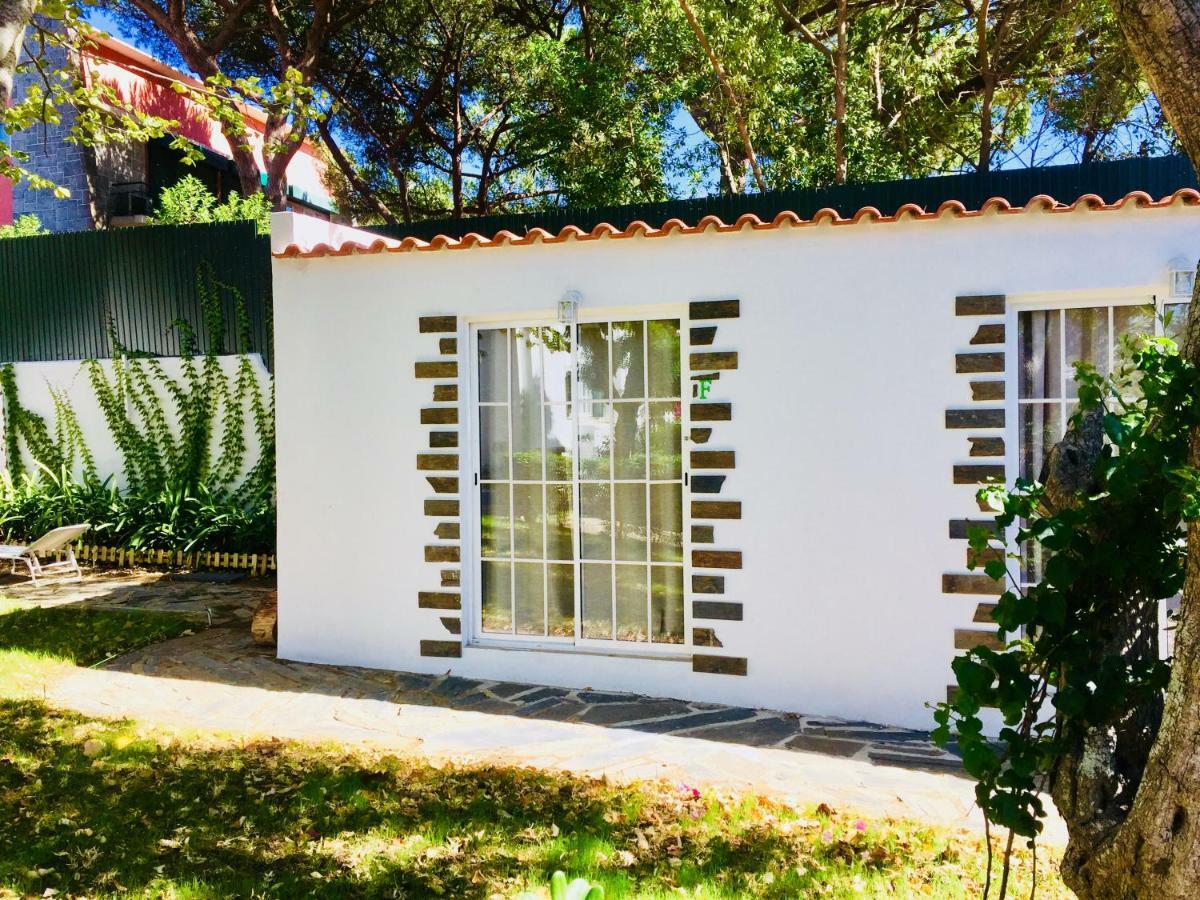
(182, 441)
(27, 225)
(188, 201)
(100, 115)
(1110, 560)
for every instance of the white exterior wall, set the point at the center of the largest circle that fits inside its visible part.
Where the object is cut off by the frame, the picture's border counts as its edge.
(846, 338)
(70, 378)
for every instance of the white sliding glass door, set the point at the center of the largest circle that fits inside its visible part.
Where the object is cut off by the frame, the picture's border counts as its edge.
(580, 479)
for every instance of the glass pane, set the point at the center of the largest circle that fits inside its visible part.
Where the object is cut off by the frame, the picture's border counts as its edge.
(1176, 319)
(493, 364)
(530, 598)
(497, 597)
(560, 600)
(560, 522)
(666, 456)
(1041, 366)
(556, 358)
(666, 522)
(493, 443)
(595, 441)
(593, 361)
(630, 521)
(629, 430)
(1086, 341)
(1041, 428)
(597, 601)
(527, 521)
(628, 360)
(493, 520)
(664, 358)
(526, 440)
(1132, 320)
(559, 432)
(666, 604)
(631, 603)
(595, 521)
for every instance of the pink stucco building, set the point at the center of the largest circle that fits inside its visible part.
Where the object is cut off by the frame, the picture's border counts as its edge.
(116, 184)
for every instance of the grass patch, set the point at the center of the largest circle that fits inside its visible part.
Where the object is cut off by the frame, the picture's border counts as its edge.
(37, 643)
(96, 808)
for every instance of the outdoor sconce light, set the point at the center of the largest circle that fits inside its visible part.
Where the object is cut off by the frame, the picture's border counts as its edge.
(568, 307)
(1181, 278)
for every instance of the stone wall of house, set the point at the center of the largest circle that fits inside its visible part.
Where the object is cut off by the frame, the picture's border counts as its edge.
(53, 157)
(87, 172)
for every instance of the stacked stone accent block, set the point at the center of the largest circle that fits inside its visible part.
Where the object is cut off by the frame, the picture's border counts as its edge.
(709, 471)
(440, 468)
(981, 421)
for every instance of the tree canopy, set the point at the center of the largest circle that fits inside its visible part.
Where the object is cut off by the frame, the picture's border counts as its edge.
(439, 108)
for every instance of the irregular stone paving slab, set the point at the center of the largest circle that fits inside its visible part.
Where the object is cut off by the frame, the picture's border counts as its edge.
(226, 655)
(817, 744)
(259, 697)
(766, 731)
(628, 711)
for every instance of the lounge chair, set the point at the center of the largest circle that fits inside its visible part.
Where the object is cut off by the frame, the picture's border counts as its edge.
(57, 540)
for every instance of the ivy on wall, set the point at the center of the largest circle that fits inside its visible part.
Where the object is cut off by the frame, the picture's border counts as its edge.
(182, 442)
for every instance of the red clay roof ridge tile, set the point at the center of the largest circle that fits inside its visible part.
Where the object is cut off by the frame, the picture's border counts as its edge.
(675, 226)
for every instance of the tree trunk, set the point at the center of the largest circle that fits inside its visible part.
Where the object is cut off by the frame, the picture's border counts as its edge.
(1164, 36)
(735, 110)
(15, 16)
(839, 96)
(983, 60)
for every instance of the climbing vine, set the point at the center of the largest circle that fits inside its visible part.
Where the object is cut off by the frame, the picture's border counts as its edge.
(1081, 645)
(182, 441)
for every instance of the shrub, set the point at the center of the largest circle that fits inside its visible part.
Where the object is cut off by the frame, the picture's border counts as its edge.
(25, 226)
(189, 202)
(183, 447)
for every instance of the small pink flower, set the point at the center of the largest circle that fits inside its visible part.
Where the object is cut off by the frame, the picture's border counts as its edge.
(860, 825)
(827, 836)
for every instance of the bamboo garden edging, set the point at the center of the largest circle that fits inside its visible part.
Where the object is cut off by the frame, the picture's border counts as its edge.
(256, 563)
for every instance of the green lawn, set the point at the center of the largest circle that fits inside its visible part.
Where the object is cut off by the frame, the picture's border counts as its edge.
(35, 643)
(99, 808)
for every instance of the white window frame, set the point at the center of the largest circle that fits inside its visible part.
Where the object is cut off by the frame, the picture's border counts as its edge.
(469, 494)
(1156, 295)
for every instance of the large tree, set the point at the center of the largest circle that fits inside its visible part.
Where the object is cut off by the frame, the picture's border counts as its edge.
(479, 106)
(15, 16)
(1150, 847)
(260, 52)
(1088, 705)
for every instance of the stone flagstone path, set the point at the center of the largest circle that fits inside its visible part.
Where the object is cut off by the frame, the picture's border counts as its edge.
(218, 680)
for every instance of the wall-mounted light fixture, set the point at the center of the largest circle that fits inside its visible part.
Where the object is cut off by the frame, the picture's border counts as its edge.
(568, 307)
(1181, 278)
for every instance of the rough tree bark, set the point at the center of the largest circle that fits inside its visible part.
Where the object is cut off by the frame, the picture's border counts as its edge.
(15, 16)
(1130, 794)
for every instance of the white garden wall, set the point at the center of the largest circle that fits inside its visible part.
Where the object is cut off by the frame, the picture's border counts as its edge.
(36, 381)
(847, 339)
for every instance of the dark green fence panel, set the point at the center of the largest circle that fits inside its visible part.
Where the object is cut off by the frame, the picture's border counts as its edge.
(1158, 176)
(61, 294)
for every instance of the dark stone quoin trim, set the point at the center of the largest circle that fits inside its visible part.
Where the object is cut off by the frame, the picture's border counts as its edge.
(442, 508)
(981, 421)
(709, 512)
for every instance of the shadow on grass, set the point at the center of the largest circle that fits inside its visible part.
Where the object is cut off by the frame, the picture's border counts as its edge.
(89, 807)
(228, 656)
(84, 636)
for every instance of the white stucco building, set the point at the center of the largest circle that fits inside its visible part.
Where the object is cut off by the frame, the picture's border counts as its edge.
(720, 461)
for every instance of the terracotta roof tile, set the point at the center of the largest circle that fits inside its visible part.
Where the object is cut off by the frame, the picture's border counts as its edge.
(639, 228)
